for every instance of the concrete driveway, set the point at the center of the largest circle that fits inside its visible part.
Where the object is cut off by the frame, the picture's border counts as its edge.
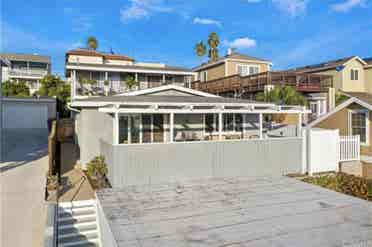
(22, 181)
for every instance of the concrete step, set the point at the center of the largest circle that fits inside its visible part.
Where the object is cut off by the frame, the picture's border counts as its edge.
(86, 233)
(76, 211)
(76, 219)
(80, 226)
(79, 241)
(91, 227)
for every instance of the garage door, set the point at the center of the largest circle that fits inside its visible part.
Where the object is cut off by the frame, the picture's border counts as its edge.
(25, 116)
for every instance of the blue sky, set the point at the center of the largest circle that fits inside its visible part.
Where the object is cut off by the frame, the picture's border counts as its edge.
(287, 32)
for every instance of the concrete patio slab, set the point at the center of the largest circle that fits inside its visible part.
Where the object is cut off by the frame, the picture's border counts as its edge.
(278, 211)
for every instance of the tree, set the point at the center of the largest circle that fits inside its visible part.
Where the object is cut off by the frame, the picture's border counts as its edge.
(285, 95)
(340, 98)
(92, 43)
(213, 42)
(12, 88)
(130, 82)
(53, 86)
(200, 49)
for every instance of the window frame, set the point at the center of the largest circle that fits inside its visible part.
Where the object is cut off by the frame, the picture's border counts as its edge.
(366, 113)
(248, 67)
(354, 74)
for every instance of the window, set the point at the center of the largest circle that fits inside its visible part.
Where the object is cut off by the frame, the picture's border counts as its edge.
(203, 76)
(246, 69)
(211, 123)
(354, 74)
(358, 125)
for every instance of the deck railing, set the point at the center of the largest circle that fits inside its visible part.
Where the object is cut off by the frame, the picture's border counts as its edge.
(303, 82)
(349, 148)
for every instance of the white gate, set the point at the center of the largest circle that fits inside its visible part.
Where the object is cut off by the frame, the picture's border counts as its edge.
(349, 148)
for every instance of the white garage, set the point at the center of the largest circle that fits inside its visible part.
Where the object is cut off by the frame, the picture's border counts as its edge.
(28, 113)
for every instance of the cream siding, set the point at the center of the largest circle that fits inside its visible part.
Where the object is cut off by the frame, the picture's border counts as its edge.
(118, 62)
(368, 79)
(85, 59)
(349, 85)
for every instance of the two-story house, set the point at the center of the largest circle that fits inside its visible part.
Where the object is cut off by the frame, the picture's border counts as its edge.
(231, 64)
(28, 68)
(241, 76)
(96, 73)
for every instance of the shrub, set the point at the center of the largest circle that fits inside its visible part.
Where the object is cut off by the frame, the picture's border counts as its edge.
(97, 169)
(52, 182)
(344, 183)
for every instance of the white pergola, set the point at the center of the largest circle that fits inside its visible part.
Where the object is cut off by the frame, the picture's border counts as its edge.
(172, 108)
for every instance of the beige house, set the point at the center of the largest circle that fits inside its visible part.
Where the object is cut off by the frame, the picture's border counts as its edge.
(231, 64)
(107, 73)
(352, 117)
(350, 74)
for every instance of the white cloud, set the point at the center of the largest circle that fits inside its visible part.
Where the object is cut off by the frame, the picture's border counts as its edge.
(291, 7)
(253, 1)
(206, 21)
(347, 5)
(140, 9)
(241, 43)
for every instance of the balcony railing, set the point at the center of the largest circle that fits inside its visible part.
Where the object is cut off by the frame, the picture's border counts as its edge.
(117, 86)
(28, 72)
(303, 82)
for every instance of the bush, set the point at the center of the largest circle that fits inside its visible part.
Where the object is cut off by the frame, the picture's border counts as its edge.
(52, 182)
(97, 169)
(344, 183)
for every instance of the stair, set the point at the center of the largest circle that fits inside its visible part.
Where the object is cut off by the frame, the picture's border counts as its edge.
(77, 224)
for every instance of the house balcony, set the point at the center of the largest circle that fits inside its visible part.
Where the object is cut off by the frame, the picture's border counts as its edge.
(27, 73)
(302, 82)
(113, 87)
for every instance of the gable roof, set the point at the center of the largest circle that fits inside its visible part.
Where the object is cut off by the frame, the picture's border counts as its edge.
(332, 64)
(25, 57)
(149, 91)
(363, 99)
(368, 60)
(234, 55)
(93, 53)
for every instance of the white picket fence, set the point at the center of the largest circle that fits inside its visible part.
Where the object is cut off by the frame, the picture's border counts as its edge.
(349, 148)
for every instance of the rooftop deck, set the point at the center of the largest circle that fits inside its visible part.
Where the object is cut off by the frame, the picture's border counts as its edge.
(270, 212)
(303, 82)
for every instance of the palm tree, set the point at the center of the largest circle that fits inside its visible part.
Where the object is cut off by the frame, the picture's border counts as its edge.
(200, 49)
(213, 42)
(92, 43)
(282, 95)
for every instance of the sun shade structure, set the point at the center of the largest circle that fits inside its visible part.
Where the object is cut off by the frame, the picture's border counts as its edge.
(181, 117)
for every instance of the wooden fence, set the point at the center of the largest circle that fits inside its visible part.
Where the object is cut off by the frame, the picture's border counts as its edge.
(52, 142)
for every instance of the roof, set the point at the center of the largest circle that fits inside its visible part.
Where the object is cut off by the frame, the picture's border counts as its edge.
(163, 99)
(169, 87)
(25, 57)
(234, 55)
(361, 98)
(265, 211)
(134, 67)
(366, 97)
(87, 52)
(332, 64)
(368, 60)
